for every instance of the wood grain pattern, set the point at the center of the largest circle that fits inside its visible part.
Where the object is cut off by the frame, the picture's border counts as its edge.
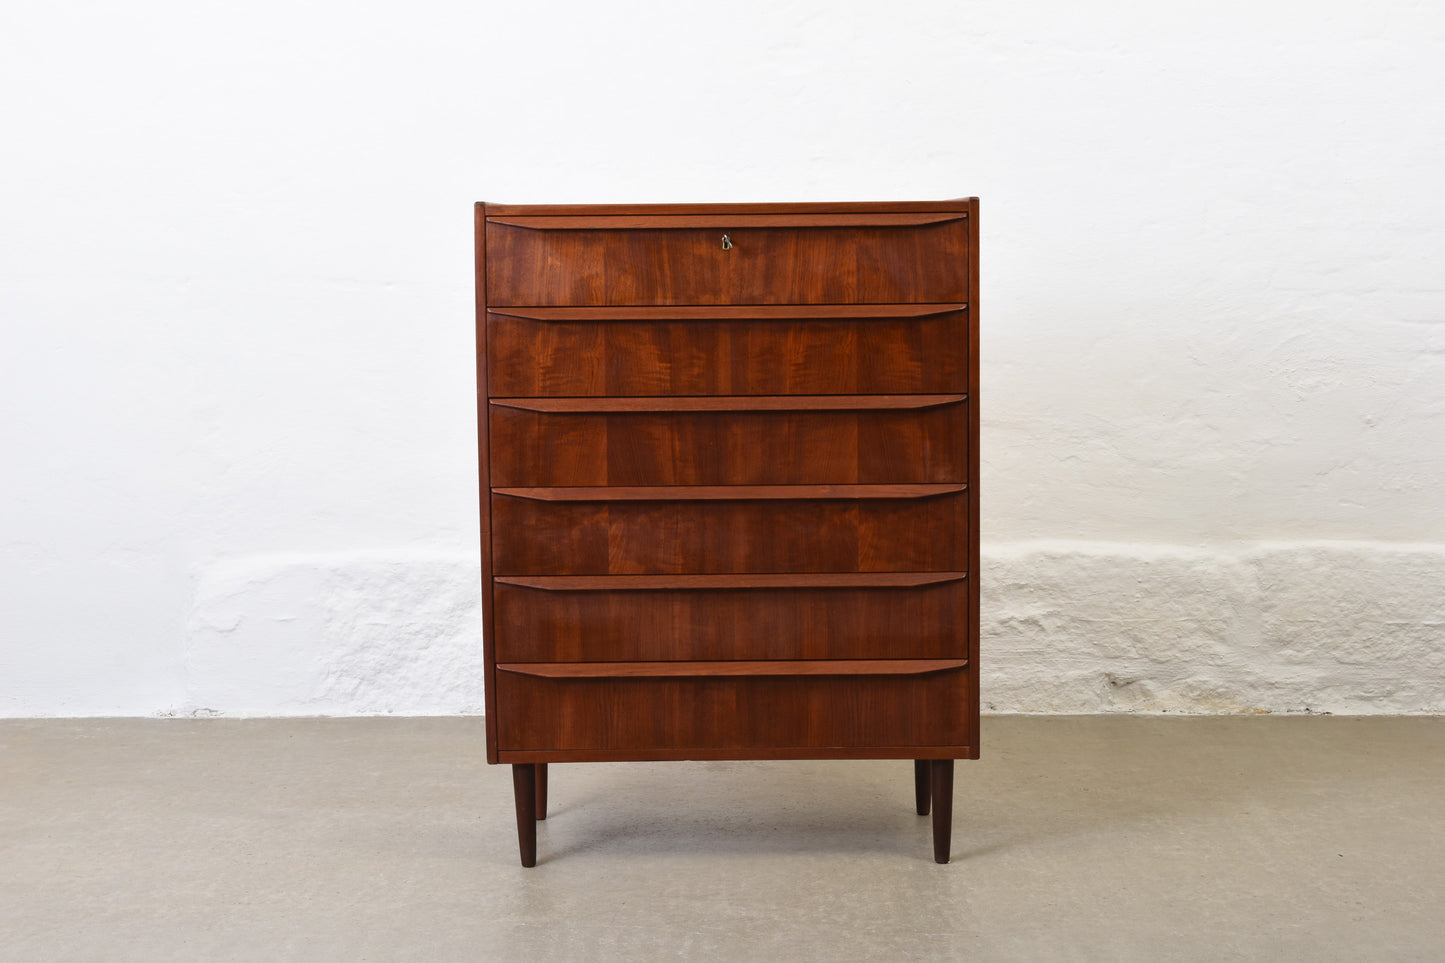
(722, 713)
(892, 445)
(726, 312)
(969, 693)
(805, 265)
(707, 617)
(825, 356)
(687, 669)
(533, 537)
(738, 403)
(648, 583)
(484, 448)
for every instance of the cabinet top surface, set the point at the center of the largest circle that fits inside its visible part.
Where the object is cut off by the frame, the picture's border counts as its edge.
(960, 204)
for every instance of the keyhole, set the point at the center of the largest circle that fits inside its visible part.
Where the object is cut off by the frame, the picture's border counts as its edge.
(727, 243)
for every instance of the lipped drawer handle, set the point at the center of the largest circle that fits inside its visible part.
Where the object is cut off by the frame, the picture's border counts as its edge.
(704, 670)
(657, 222)
(729, 493)
(740, 403)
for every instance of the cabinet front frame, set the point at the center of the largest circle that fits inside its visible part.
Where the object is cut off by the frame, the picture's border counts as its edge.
(964, 301)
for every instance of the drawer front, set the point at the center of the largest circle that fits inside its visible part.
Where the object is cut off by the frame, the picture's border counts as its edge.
(536, 536)
(858, 441)
(581, 354)
(772, 712)
(669, 260)
(601, 622)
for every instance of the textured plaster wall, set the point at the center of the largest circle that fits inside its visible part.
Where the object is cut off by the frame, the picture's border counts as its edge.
(235, 248)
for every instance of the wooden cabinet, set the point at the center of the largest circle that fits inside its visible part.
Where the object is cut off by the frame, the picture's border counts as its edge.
(729, 502)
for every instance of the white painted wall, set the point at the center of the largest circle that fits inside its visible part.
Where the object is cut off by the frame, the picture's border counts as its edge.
(235, 287)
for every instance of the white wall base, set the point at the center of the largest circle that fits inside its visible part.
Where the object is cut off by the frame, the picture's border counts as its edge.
(1348, 627)
(354, 635)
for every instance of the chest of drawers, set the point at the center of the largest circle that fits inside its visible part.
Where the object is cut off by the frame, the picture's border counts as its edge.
(729, 486)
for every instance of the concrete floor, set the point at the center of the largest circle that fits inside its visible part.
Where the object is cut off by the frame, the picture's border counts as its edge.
(1075, 838)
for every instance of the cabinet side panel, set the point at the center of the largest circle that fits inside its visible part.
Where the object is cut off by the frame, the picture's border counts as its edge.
(973, 467)
(489, 681)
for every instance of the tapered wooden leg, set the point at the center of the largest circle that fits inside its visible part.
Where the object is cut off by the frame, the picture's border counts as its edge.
(524, 787)
(941, 779)
(541, 790)
(921, 790)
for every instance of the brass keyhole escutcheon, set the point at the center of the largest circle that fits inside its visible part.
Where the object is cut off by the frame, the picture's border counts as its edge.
(727, 243)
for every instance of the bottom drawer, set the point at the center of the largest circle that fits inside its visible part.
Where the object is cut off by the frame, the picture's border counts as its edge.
(733, 706)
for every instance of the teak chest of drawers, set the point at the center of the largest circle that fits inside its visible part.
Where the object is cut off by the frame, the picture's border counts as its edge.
(729, 486)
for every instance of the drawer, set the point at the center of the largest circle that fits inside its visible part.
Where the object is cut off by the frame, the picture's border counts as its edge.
(643, 618)
(760, 529)
(876, 705)
(754, 440)
(882, 349)
(765, 259)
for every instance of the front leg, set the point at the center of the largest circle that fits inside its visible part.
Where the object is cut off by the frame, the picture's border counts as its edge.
(524, 788)
(942, 779)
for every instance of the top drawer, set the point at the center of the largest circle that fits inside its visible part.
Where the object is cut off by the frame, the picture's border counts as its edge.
(848, 258)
